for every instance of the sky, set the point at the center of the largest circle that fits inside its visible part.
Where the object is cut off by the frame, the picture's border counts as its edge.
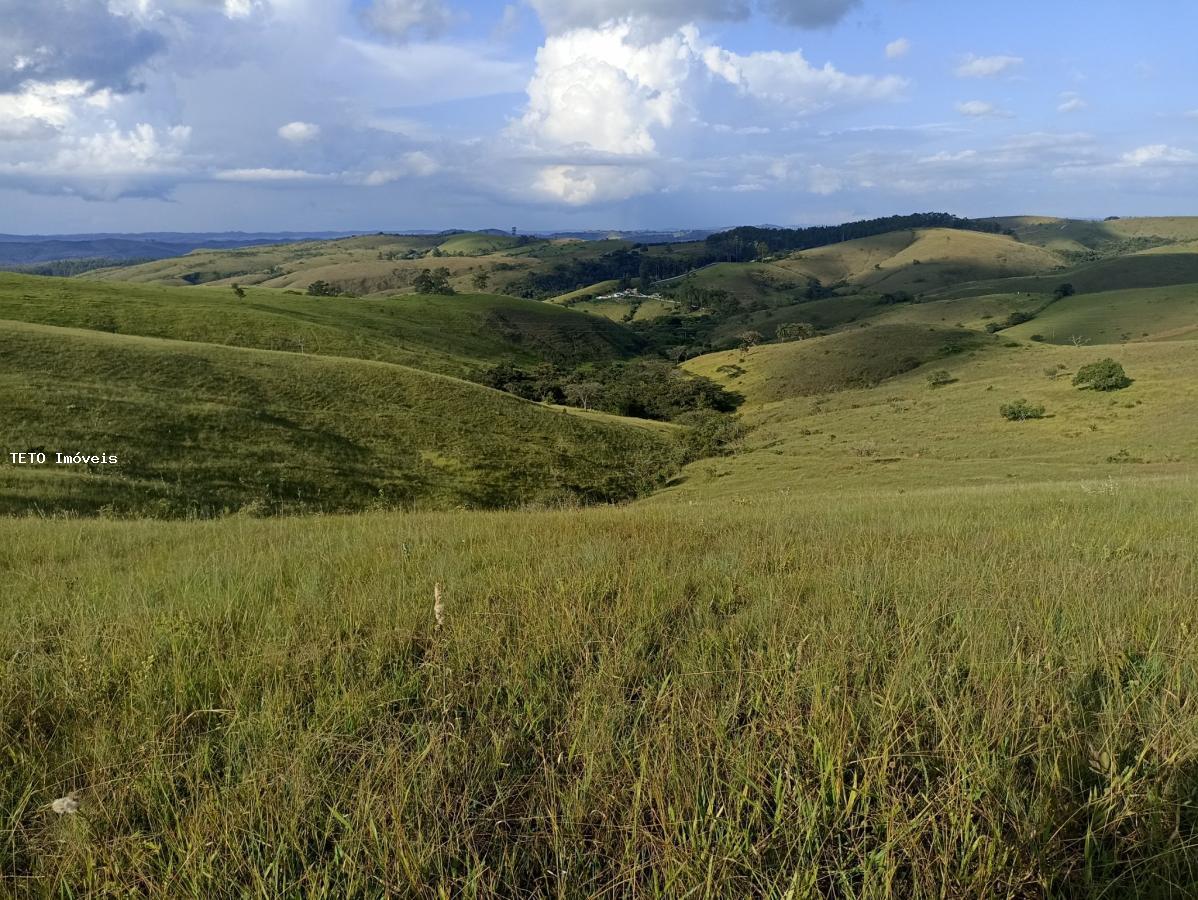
(303, 115)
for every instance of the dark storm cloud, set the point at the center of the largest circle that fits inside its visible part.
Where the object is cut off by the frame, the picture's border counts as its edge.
(52, 40)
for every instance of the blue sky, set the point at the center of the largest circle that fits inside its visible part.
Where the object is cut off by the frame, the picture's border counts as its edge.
(132, 115)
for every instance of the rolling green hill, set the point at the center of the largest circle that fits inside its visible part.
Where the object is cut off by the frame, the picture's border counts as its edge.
(200, 429)
(1110, 317)
(1079, 235)
(447, 334)
(880, 641)
(856, 357)
(904, 434)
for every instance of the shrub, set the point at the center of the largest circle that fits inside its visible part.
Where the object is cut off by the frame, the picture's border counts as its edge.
(1021, 410)
(322, 289)
(940, 378)
(709, 433)
(1104, 375)
(1062, 291)
(795, 331)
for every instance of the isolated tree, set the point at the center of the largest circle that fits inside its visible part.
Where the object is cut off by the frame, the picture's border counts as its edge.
(583, 393)
(239, 291)
(750, 339)
(480, 281)
(1062, 291)
(433, 281)
(1104, 375)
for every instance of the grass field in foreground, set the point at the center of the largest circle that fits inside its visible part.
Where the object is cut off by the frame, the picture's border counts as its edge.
(978, 693)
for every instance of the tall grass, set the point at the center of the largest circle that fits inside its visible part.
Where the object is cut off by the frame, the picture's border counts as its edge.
(943, 694)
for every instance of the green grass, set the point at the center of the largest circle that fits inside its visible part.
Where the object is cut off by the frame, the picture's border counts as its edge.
(855, 357)
(476, 244)
(891, 645)
(1170, 266)
(1144, 314)
(938, 694)
(587, 293)
(452, 335)
(200, 429)
(905, 435)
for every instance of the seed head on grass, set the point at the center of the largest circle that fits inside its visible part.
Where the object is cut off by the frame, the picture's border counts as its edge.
(438, 606)
(66, 806)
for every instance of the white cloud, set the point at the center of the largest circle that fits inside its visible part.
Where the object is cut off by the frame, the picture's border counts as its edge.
(578, 185)
(980, 109)
(299, 132)
(400, 19)
(143, 150)
(416, 163)
(1071, 102)
(598, 92)
(898, 48)
(1159, 154)
(268, 174)
(987, 66)
(788, 79)
(41, 109)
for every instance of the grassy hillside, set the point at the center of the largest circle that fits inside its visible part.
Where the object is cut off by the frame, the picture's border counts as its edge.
(1085, 234)
(452, 335)
(363, 265)
(477, 243)
(856, 357)
(905, 434)
(199, 429)
(979, 693)
(881, 642)
(1150, 314)
(1159, 268)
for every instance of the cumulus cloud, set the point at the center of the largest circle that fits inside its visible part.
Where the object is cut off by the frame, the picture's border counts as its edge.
(106, 165)
(789, 79)
(43, 109)
(72, 40)
(898, 48)
(595, 88)
(987, 66)
(401, 19)
(299, 132)
(981, 109)
(604, 92)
